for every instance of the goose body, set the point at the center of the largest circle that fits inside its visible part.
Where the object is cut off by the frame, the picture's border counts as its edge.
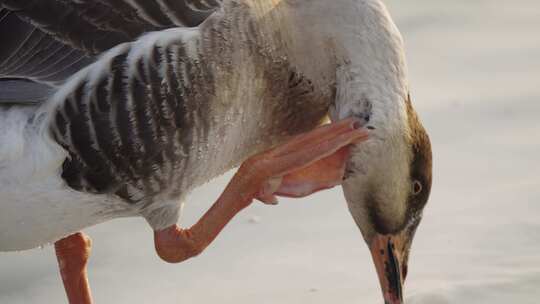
(62, 172)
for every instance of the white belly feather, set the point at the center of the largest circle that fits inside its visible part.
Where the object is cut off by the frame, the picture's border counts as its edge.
(36, 206)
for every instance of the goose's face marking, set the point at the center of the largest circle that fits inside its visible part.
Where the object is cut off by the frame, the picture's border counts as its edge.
(387, 186)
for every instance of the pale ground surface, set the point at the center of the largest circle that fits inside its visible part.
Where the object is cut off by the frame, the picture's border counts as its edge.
(475, 78)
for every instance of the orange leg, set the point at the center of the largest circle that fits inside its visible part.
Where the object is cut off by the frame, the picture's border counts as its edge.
(306, 164)
(72, 253)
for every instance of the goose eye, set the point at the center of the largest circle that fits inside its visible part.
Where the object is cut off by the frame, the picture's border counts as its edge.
(416, 187)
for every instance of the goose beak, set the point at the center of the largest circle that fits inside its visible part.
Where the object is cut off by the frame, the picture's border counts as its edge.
(388, 256)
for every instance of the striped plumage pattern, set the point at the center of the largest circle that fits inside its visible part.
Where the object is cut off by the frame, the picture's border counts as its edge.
(127, 121)
(49, 41)
(137, 124)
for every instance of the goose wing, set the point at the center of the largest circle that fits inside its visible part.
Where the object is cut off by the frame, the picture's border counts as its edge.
(47, 41)
(28, 52)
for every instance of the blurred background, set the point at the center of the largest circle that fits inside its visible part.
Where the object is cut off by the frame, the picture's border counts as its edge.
(475, 80)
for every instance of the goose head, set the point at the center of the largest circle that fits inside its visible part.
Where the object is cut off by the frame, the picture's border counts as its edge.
(387, 186)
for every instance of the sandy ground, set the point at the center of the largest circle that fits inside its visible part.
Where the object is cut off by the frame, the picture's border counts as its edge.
(475, 77)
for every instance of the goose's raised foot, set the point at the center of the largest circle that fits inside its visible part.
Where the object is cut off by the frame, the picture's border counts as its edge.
(306, 164)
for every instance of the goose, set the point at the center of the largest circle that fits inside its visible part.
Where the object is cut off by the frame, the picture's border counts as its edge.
(120, 108)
